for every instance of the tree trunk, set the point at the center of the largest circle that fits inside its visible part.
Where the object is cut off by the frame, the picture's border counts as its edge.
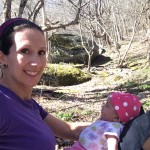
(7, 10)
(21, 7)
(89, 61)
(46, 32)
(148, 55)
(136, 22)
(40, 4)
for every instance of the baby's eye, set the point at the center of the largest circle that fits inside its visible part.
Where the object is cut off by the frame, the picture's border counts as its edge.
(42, 52)
(107, 104)
(25, 51)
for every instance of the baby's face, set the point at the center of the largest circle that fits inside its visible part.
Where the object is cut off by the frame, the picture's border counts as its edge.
(108, 112)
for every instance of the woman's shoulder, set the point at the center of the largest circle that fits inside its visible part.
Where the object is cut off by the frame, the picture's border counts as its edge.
(143, 118)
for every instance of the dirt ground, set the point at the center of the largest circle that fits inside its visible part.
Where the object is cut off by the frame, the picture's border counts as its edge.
(84, 100)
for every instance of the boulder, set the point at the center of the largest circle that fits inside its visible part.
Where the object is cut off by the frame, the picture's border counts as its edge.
(68, 48)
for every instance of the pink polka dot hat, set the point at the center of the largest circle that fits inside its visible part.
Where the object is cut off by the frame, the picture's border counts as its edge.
(127, 105)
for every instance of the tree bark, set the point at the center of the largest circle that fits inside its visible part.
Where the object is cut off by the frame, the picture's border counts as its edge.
(21, 7)
(7, 9)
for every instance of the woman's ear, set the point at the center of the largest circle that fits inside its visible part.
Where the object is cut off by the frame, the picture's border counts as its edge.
(2, 58)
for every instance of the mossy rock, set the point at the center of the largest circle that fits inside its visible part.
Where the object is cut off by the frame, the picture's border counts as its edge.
(61, 41)
(68, 48)
(134, 66)
(63, 75)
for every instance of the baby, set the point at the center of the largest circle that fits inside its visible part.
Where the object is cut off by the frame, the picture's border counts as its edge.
(104, 133)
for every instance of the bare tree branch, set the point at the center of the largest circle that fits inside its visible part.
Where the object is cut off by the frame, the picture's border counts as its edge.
(133, 34)
(74, 22)
(35, 11)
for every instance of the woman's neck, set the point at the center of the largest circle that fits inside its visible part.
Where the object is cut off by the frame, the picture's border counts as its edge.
(23, 92)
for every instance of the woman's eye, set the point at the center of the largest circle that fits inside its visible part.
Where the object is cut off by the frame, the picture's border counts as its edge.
(25, 51)
(42, 52)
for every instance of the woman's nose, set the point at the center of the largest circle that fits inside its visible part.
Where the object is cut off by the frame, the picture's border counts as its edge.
(35, 60)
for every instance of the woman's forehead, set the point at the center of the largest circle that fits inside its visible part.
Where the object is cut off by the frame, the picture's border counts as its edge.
(28, 33)
(29, 37)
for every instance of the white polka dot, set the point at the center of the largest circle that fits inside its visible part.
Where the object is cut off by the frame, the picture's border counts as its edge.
(125, 104)
(116, 107)
(134, 108)
(126, 114)
(131, 118)
(134, 99)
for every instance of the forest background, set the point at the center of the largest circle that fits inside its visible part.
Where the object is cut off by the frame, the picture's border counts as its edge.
(120, 27)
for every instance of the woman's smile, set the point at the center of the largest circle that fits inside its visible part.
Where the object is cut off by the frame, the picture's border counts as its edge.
(31, 73)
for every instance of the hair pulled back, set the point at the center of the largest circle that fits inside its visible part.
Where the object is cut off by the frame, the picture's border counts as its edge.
(9, 27)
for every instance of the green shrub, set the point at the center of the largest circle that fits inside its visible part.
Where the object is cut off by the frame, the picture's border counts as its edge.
(63, 75)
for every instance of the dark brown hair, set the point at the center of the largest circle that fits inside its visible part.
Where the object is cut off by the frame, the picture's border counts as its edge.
(10, 26)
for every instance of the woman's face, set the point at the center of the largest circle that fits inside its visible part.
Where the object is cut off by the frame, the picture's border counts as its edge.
(27, 58)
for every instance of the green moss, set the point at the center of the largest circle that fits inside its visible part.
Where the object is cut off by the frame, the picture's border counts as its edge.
(60, 41)
(63, 75)
(117, 78)
(67, 42)
(104, 74)
(135, 68)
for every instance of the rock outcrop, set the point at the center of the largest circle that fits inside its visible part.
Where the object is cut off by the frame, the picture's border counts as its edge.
(68, 48)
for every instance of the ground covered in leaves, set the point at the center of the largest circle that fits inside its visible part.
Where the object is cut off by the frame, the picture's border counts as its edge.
(83, 102)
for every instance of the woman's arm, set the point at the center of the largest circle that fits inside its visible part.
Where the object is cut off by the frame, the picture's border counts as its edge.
(146, 145)
(112, 142)
(65, 129)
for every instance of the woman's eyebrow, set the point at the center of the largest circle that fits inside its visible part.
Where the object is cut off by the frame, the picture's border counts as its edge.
(43, 47)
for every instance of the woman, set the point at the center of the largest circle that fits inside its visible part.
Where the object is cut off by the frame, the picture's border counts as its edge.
(136, 135)
(24, 124)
